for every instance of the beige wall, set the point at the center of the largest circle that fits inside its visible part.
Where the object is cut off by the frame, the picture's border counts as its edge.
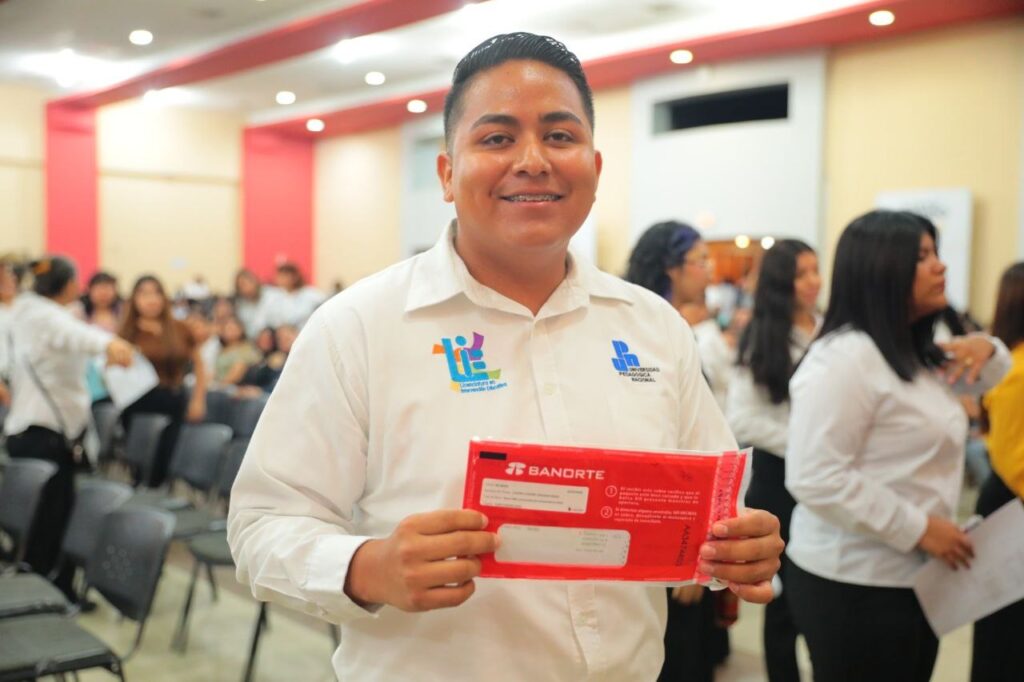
(937, 109)
(169, 193)
(22, 210)
(357, 206)
(613, 138)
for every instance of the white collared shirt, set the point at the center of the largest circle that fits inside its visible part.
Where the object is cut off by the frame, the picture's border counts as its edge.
(870, 457)
(755, 420)
(279, 307)
(368, 425)
(716, 357)
(58, 346)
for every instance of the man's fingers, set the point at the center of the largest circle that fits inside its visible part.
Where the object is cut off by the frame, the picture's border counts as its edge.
(749, 574)
(446, 573)
(445, 521)
(752, 523)
(461, 543)
(749, 549)
(441, 597)
(760, 593)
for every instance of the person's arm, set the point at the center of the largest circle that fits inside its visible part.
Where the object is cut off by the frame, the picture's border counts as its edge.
(1006, 431)
(746, 550)
(745, 410)
(196, 410)
(66, 333)
(978, 362)
(832, 410)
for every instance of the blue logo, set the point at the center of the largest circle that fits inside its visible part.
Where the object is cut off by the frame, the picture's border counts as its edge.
(623, 359)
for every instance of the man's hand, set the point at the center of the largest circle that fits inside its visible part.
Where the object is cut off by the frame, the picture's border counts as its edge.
(428, 563)
(944, 540)
(746, 555)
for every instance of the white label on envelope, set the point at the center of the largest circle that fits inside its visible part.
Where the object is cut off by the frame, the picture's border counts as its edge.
(498, 492)
(563, 546)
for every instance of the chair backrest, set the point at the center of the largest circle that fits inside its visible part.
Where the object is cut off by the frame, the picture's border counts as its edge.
(20, 494)
(245, 415)
(218, 407)
(142, 441)
(199, 453)
(94, 499)
(105, 415)
(126, 563)
(232, 463)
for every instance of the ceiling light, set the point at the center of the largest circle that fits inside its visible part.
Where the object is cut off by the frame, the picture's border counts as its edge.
(285, 97)
(315, 125)
(140, 37)
(72, 70)
(882, 17)
(681, 57)
(742, 241)
(767, 242)
(416, 106)
(375, 78)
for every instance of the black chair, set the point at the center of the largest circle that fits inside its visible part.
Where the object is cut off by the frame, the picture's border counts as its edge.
(246, 414)
(106, 419)
(196, 461)
(20, 494)
(143, 441)
(218, 407)
(29, 593)
(125, 568)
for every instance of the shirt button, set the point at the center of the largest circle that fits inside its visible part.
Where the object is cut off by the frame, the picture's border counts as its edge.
(549, 389)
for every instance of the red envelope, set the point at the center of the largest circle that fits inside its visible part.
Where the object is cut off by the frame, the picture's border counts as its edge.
(575, 513)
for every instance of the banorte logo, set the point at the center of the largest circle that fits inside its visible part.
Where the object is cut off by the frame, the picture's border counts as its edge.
(518, 469)
(515, 468)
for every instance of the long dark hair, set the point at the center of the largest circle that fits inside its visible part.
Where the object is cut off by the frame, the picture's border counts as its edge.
(100, 277)
(51, 275)
(660, 247)
(764, 345)
(171, 335)
(1008, 324)
(872, 285)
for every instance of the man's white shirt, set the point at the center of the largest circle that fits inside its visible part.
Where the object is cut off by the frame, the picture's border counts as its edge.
(371, 422)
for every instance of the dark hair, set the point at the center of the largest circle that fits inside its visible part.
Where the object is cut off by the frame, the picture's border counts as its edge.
(97, 279)
(872, 285)
(231, 320)
(1008, 324)
(172, 338)
(293, 270)
(51, 275)
(246, 272)
(508, 47)
(765, 343)
(660, 247)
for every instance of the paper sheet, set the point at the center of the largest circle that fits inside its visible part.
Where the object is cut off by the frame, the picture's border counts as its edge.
(128, 384)
(951, 599)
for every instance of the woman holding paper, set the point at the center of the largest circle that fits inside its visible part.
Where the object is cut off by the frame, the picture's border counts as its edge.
(875, 456)
(169, 345)
(49, 399)
(996, 637)
(784, 320)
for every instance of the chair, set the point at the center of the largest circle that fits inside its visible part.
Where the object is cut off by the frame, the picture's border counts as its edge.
(143, 441)
(218, 407)
(125, 568)
(29, 593)
(196, 460)
(246, 414)
(20, 494)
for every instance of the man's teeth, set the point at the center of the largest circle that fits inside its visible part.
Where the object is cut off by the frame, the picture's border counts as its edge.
(533, 197)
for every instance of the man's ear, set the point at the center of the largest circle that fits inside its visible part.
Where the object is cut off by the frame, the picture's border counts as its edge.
(444, 174)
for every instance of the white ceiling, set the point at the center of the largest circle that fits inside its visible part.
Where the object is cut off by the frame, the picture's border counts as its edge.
(414, 58)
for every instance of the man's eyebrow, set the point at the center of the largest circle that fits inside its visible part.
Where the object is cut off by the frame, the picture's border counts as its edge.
(496, 119)
(560, 117)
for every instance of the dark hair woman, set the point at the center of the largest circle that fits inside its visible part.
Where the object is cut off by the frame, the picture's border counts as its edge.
(783, 321)
(101, 303)
(876, 453)
(169, 345)
(50, 349)
(996, 636)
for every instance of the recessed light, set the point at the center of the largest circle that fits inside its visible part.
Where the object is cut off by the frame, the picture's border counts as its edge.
(767, 242)
(681, 57)
(140, 37)
(315, 125)
(285, 97)
(375, 78)
(742, 241)
(882, 17)
(416, 106)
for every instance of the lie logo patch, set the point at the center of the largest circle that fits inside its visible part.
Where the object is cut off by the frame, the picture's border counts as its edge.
(466, 365)
(627, 364)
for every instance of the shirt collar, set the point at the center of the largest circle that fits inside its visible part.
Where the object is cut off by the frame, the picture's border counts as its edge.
(440, 274)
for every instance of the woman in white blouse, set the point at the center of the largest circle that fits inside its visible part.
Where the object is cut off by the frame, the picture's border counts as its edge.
(783, 322)
(292, 301)
(49, 398)
(876, 453)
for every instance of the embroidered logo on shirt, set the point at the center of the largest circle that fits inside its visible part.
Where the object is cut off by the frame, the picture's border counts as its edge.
(628, 364)
(466, 365)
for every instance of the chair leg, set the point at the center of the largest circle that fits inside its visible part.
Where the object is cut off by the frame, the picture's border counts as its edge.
(213, 583)
(181, 636)
(261, 620)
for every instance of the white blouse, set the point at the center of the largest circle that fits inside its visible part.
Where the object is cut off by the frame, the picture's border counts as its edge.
(870, 458)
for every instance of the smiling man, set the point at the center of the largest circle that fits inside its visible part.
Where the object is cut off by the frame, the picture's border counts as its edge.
(347, 503)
